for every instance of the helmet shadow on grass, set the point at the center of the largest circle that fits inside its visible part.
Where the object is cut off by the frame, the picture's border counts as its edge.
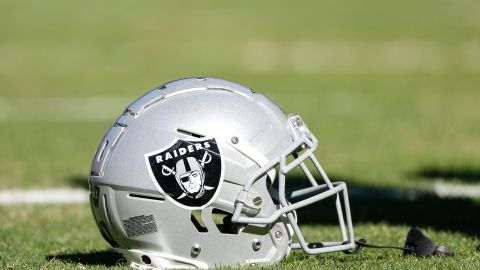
(417, 208)
(458, 174)
(392, 205)
(105, 258)
(78, 181)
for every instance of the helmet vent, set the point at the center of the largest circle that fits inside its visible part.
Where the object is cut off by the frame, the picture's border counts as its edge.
(223, 221)
(189, 133)
(101, 150)
(146, 197)
(198, 222)
(104, 150)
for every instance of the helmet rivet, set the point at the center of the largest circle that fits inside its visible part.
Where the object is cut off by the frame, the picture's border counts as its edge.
(234, 139)
(256, 244)
(278, 234)
(196, 250)
(257, 201)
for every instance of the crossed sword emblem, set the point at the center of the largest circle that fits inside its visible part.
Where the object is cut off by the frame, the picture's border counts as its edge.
(207, 158)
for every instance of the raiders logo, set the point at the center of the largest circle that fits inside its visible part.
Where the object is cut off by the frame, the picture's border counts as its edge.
(190, 173)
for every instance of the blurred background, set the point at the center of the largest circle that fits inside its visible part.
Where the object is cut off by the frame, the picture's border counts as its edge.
(390, 88)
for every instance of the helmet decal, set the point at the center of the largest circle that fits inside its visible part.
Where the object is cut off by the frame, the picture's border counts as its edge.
(189, 173)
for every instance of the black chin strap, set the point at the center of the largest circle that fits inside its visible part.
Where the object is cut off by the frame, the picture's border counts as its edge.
(361, 243)
(416, 244)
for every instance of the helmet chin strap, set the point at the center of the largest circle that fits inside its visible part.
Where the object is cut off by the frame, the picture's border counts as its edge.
(416, 244)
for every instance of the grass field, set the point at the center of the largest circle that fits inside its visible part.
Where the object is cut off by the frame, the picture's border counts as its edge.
(390, 89)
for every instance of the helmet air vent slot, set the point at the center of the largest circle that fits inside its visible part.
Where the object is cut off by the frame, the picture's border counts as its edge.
(198, 222)
(101, 150)
(189, 133)
(146, 197)
(223, 221)
(104, 151)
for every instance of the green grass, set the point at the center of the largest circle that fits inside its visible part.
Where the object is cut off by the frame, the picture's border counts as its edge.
(376, 125)
(376, 129)
(65, 237)
(390, 89)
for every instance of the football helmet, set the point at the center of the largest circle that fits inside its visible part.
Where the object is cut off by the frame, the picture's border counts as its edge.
(193, 175)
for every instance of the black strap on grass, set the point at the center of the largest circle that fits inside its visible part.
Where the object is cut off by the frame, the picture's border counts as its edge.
(416, 244)
(361, 243)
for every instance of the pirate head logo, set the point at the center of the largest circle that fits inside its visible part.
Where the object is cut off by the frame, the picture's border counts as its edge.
(189, 172)
(190, 176)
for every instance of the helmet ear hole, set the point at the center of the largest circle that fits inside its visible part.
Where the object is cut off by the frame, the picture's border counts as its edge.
(197, 221)
(223, 221)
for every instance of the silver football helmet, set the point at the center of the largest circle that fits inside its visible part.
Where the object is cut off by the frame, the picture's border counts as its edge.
(193, 175)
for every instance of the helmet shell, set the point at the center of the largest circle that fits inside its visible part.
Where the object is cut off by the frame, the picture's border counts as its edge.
(138, 218)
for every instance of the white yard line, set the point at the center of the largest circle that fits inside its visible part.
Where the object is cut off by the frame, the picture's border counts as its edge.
(445, 190)
(309, 56)
(43, 196)
(75, 196)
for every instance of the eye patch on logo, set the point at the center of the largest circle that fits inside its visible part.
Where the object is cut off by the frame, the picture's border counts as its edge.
(186, 177)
